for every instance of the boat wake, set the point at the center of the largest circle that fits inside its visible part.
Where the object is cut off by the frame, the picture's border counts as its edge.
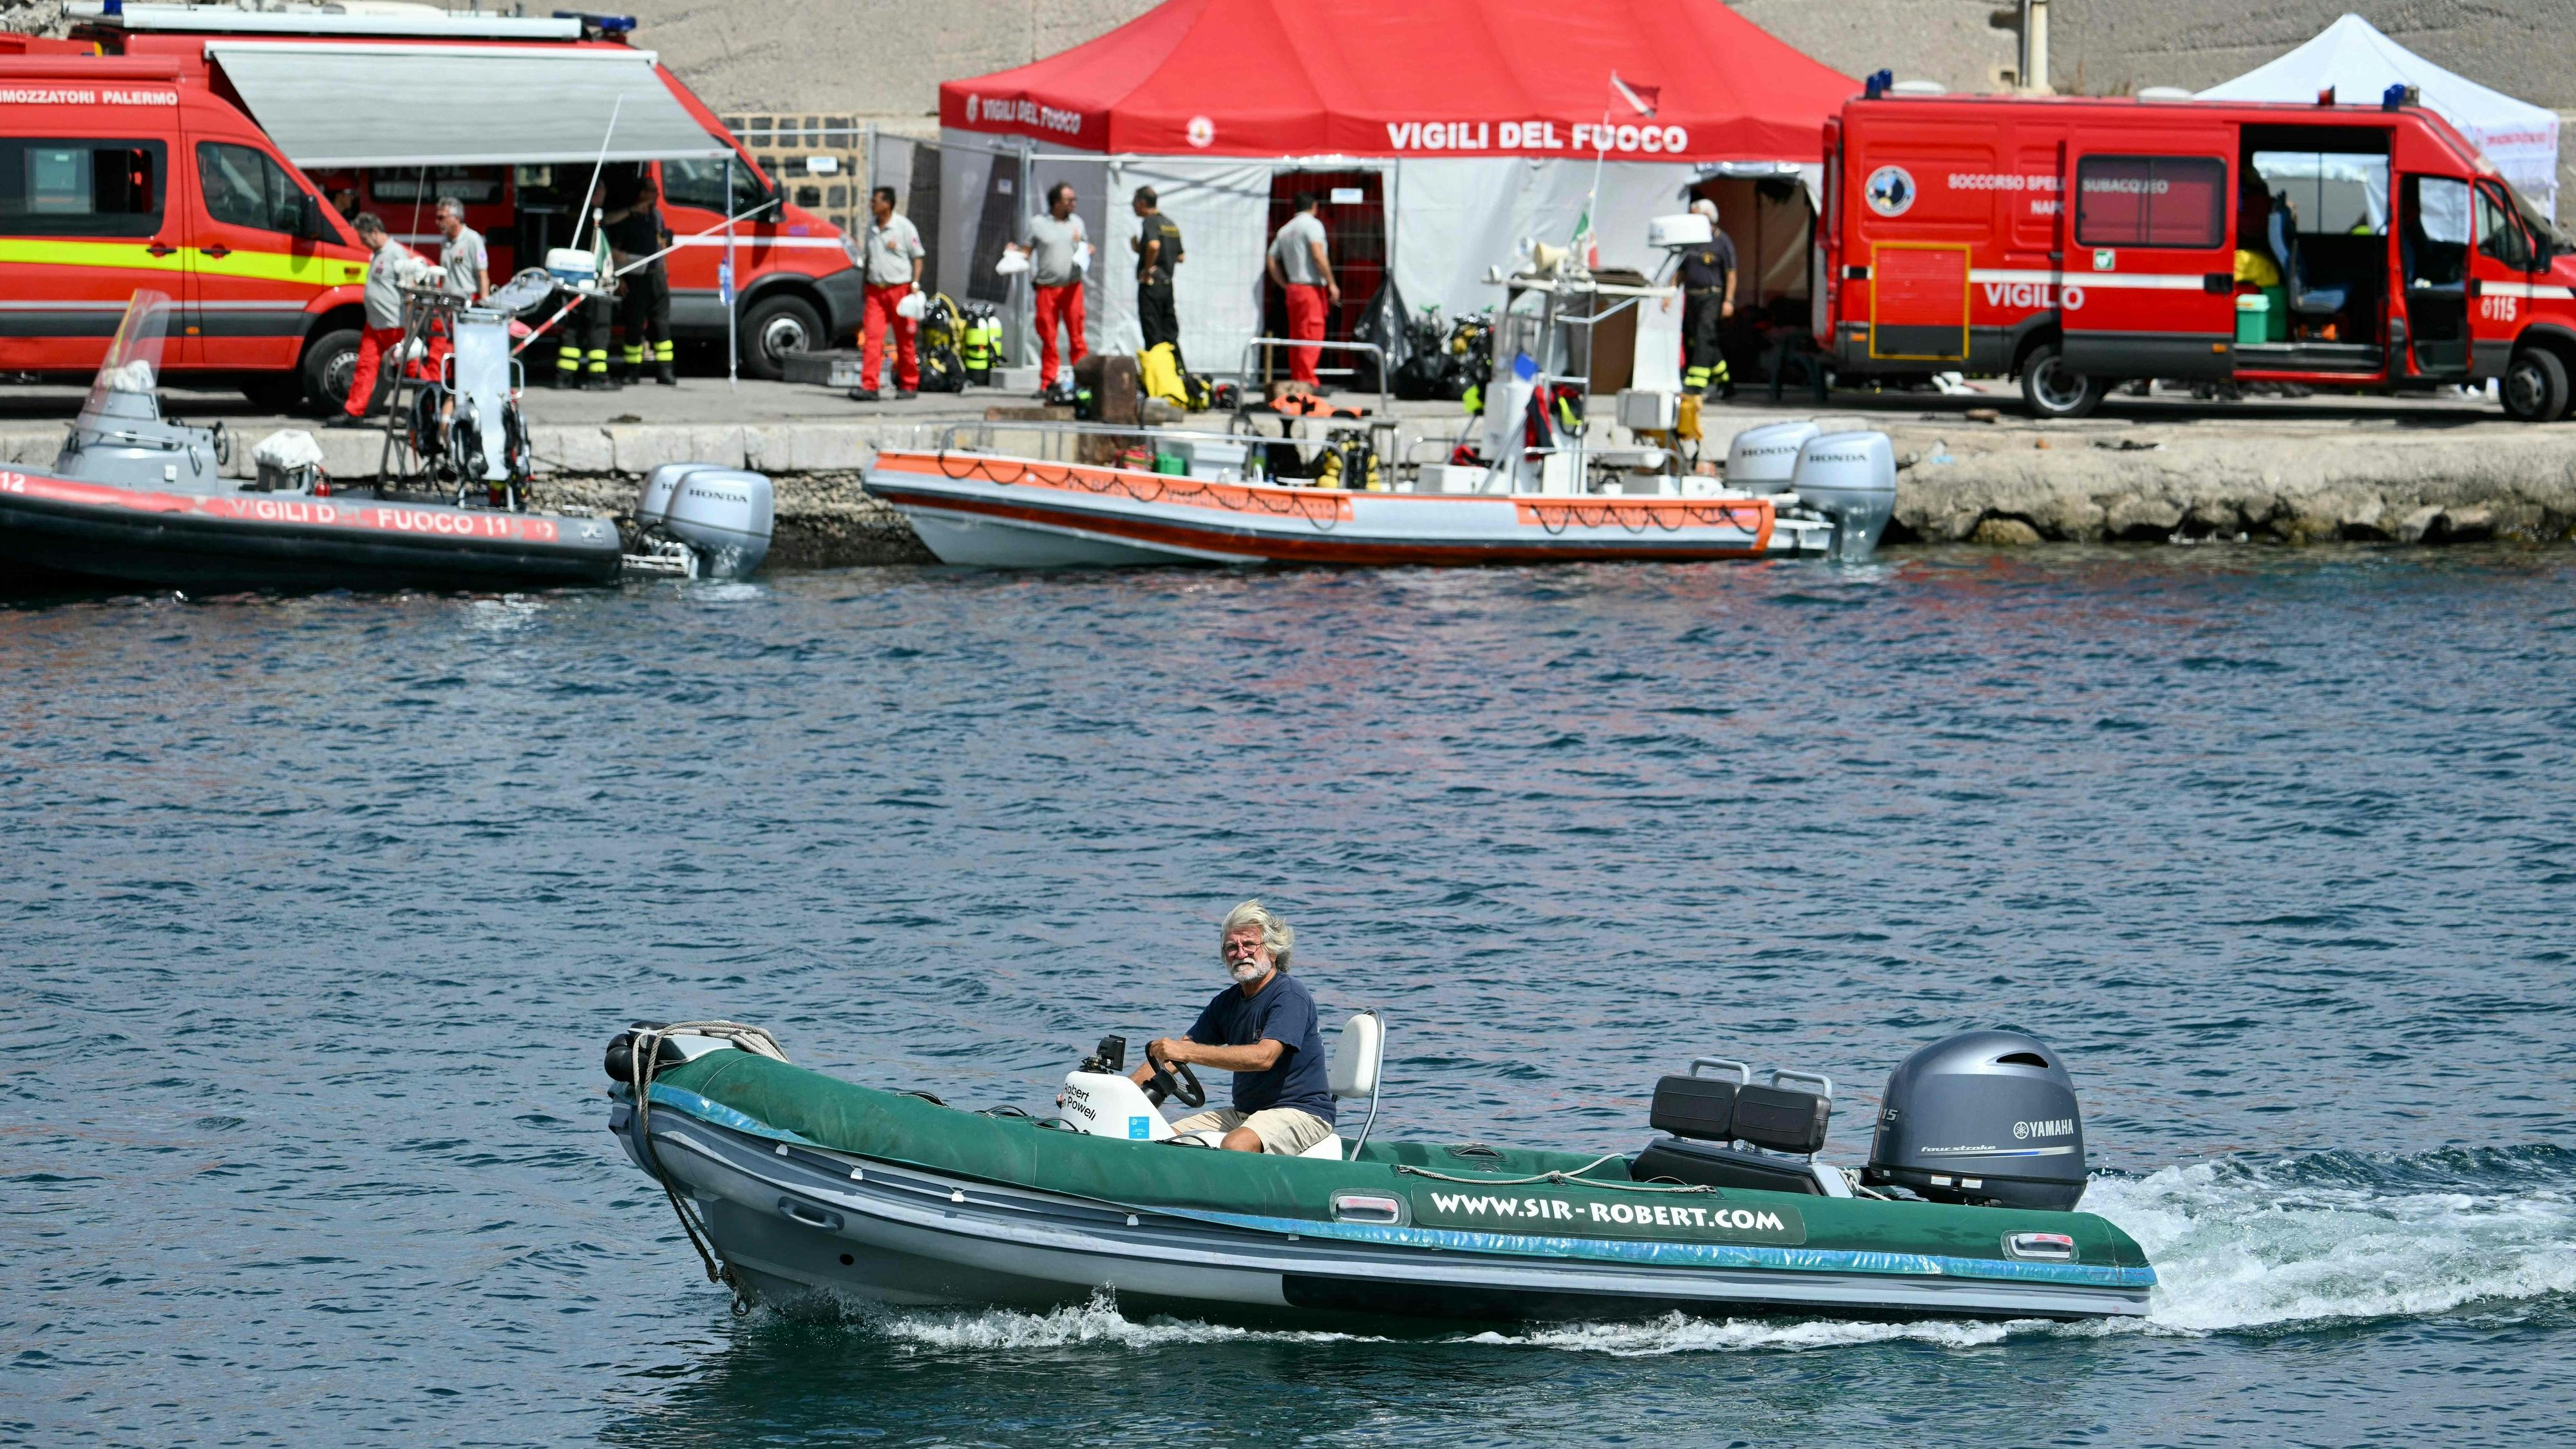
(2247, 1245)
(2239, 1245)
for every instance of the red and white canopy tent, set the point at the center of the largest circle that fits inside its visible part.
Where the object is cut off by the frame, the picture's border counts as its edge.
(1482, 123)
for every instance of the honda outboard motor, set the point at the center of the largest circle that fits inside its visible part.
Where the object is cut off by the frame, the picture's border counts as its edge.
(1762, 460)
(1851, 479)
(721, 516)
(1982, 1117)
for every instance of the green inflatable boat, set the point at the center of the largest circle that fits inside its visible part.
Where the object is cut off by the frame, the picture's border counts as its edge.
(794, 1183)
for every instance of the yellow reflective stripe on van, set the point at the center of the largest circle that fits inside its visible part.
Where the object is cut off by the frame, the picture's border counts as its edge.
(32, 252)
(280, 267)
(309, 269)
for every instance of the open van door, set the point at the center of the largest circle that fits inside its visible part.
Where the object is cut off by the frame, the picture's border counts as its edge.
(2150, 269)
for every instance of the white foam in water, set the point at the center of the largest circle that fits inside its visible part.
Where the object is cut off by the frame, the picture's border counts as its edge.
(1676, 1333)
(2236, 1247)
(1097, 1321)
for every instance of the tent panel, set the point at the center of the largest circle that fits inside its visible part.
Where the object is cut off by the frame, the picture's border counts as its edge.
(324, 106)
(1270, 78)
(2361, 63)
(1223, 211)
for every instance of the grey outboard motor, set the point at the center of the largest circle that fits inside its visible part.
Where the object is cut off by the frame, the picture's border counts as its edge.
(721, 516)
(1763, 459)
(1851, 479)
(1982, 1117)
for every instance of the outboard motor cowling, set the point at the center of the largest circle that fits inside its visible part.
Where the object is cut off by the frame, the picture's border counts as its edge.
(1851, 479)
(722, 515)
(1982, 1117)
(1763, 459)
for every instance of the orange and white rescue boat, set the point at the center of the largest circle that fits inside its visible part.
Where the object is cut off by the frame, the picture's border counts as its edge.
(993, 510)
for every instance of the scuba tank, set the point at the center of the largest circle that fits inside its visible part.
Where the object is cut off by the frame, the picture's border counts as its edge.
(1352, 465)
(983, 341)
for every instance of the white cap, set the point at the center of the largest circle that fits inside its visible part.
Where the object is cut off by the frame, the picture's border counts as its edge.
(1705, 207)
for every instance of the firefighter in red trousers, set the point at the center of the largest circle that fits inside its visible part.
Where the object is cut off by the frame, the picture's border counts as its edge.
(1301, 268)
(894, 254)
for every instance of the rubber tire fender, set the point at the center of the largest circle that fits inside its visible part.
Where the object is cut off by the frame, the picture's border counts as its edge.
(321, 359)
(774, 312)
(2534, 386)
(2043, 358)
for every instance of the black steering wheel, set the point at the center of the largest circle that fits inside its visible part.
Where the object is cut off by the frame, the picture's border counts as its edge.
(1162, 1084)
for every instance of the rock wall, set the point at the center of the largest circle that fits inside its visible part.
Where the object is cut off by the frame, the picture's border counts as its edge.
(2150, 485)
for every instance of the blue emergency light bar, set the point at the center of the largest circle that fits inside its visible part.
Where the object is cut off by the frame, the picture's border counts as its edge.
(1879, 81)
(604, 24)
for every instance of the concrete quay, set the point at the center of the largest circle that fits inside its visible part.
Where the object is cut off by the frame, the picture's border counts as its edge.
(1976, 472)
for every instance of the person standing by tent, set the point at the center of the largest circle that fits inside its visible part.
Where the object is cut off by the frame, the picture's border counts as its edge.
(1300, 268)
(1158, 250)
(1708, 299)
(894, 254)
(1054, 245)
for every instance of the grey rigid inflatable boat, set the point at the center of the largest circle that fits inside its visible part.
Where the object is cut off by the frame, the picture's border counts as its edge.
(793, 1183)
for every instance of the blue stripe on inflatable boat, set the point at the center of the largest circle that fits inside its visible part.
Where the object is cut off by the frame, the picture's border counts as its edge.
(1534, 1245)
(1692, 1255)
(683, 1100)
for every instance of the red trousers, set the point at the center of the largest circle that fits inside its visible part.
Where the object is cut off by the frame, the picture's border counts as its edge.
(880, 318)
(373, 344)
(1305, 324)
(1063, 302)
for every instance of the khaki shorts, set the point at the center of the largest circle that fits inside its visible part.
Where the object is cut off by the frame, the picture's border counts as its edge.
(1284, 1131)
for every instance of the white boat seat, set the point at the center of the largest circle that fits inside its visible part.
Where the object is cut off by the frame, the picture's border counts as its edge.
(1359, 1052)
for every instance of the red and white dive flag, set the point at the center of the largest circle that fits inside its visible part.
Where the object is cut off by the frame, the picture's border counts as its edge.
(1641, 99)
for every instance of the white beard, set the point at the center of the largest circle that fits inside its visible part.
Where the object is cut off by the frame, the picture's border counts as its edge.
(1247, 972)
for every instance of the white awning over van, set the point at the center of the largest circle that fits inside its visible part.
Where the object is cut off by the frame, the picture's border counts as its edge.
(459, 105)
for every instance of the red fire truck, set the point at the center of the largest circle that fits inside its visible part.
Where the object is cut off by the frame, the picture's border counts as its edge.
(2079, 242)
(201, 150)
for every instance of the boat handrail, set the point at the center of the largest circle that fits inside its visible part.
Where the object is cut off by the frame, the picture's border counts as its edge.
(951, 436)
(1385, 399)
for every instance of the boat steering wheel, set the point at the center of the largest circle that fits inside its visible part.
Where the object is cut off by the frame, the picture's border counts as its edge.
(1163, 1084)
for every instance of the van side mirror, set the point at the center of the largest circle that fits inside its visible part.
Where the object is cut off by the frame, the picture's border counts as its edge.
(308, 217)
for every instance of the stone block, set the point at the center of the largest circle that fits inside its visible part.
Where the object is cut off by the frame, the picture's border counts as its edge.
(2413, 527)
(2001, 532)
(2141, 516)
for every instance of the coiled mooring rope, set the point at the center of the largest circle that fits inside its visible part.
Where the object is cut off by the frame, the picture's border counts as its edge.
(644, 1062)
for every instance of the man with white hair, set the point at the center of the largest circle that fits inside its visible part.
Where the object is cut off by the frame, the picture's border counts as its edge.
(1264, 1029)
(1708, 299)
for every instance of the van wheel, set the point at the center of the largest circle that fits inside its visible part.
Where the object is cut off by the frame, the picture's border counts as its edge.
(329, 366)
(2055, 391)
(772, 328)
(2535, 386)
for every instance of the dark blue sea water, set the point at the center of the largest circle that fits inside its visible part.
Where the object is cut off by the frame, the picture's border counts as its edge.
(318, 911)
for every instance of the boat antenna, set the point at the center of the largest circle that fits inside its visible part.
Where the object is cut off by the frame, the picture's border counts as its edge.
(592, 195)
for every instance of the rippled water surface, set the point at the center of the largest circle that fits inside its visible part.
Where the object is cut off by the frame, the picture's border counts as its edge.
(319, 910)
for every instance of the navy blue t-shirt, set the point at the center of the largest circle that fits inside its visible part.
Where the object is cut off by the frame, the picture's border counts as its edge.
(1283, 1013)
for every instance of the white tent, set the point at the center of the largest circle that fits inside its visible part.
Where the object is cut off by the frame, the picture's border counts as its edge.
(2361, 64)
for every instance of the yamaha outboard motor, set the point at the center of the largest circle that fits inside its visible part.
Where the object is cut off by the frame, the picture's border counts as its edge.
(1851, 479)
(1983, 1117)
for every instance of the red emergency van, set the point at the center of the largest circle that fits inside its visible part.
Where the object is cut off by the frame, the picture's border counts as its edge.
(2078, 242)
(180, 147)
